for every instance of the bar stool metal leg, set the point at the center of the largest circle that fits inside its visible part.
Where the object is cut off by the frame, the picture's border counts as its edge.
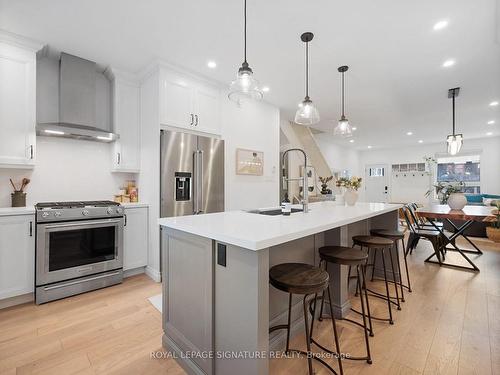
(399, 271)
(335, 333)
(395, 279)
(367, 342)
(387, 288)
(288, 323)
(363, 270)
(308, 336)
(405, 253)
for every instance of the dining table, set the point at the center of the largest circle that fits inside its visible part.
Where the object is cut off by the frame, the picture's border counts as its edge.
(468, 215)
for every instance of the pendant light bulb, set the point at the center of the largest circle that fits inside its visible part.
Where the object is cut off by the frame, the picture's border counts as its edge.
(245, 87)
(307, 113)
(454, 141)
(343, 127)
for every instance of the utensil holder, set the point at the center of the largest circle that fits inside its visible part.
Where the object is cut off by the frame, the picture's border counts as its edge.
(18, 199)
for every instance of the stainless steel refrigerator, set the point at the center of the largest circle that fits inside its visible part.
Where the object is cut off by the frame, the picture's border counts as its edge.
(192, 174)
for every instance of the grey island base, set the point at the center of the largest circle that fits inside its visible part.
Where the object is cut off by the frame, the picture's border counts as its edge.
(217, 301)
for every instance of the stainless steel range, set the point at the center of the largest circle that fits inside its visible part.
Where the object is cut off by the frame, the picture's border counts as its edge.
(79, 247)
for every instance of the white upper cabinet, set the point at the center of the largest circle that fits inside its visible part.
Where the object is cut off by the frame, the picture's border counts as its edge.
(189, 103)
(126, 123)
(17, 255)
(17, 101)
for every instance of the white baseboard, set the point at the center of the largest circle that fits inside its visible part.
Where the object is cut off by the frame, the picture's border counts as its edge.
(153, 274)
(17, 300)
(134, 271)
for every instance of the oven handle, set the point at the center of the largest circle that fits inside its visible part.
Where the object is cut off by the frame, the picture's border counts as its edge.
(82, 224)
(80, 281)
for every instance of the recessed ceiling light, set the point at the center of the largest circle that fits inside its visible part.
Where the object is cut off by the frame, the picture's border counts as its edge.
(265, 89)
(351, 141)
(493, 104)
(409, 133)
(420, 141)
(212, 64)
(448, 63)
(354, 128)
(369, 146)
(440, 25)
(489, 133)
(491, 122)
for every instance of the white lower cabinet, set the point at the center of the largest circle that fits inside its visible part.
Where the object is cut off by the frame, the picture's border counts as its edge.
(135, 238)
(17, 255)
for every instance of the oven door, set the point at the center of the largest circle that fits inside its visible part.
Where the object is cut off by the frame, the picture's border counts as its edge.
(69, 250)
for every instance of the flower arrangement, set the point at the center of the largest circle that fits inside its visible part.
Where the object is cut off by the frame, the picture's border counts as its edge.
(349, 183)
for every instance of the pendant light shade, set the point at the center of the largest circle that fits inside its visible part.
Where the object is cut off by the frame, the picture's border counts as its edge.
(454, 141)
(343, 127)
(307, 113)
(245, 87)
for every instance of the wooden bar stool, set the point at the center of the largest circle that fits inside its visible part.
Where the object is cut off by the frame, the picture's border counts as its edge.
(379, 245)
(306, 280)
(396, 236)
(352, 258)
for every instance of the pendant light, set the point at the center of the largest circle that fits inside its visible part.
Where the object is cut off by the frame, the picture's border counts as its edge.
(343, 127)
(307, 114)
(454, 140)
(245, 87)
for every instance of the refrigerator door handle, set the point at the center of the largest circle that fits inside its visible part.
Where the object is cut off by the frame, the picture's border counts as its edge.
(198, 180)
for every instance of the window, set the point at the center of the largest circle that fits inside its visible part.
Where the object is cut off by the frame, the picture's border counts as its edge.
(465, 169)
(376, 172)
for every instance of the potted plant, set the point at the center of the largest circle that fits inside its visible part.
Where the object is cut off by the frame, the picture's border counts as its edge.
(493, 230)
(450, 193)
(351, 185)
(324, 184)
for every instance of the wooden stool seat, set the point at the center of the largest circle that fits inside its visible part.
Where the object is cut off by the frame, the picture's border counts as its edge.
(342, 255)
(298, 278)
(393, 234)
(372, 241)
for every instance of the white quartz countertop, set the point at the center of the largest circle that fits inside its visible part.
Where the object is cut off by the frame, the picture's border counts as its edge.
(10, 211)
(256, 232)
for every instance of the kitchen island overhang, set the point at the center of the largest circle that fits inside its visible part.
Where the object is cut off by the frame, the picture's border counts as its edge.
(215, 305)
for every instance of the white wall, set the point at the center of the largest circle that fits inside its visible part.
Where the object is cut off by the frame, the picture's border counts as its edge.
(254, 126)
(66, 169)
(339, 158)
(489, 148)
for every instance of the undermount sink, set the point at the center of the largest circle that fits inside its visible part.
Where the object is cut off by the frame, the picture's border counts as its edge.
(272, 211)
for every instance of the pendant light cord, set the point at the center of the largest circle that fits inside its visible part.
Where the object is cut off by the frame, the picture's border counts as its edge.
(245, 30)
(342, 96)
(307, 70)
(453, 106)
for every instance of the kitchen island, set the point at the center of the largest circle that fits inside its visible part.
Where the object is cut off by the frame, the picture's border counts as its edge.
(217, 302)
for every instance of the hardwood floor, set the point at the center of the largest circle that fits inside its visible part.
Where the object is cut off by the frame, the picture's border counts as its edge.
(450, 324)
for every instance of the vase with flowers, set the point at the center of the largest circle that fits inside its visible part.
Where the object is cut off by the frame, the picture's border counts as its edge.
(351, 186)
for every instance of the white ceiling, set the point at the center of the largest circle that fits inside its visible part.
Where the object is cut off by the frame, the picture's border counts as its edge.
(395, 82)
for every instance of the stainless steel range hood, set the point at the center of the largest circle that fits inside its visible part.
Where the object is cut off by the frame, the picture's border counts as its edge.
(77, 101)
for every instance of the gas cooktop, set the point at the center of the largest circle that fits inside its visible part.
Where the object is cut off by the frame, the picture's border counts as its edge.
(75, 204)
(78, 210)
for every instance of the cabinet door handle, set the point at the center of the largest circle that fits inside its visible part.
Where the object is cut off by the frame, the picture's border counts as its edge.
(31, 229)
(125, 217)
(31, 152)
(192, 119)
(118, 157)
(196, 123)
